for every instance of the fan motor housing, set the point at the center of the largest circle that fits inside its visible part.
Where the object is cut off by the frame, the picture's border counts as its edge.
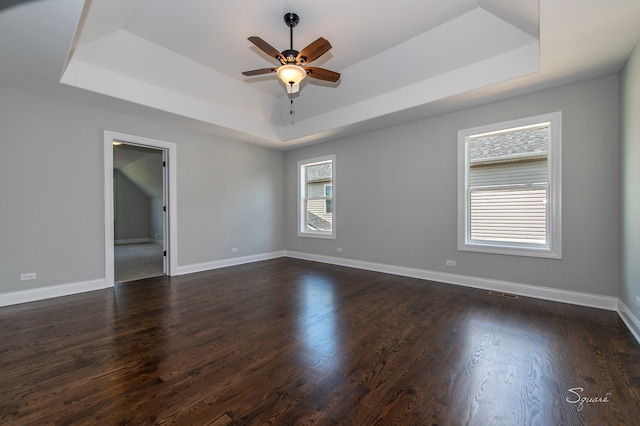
(290, 55)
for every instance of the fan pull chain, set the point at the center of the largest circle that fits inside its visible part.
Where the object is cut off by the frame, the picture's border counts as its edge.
(291, 111)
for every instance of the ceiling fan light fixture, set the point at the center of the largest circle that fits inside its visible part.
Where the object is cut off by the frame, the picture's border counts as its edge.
(293, 68)
(291, 74)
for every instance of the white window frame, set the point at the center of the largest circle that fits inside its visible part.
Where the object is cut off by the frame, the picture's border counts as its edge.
(302, 198)
(553, 246)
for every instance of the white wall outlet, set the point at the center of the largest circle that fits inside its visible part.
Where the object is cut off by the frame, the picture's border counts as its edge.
(638, 301)
(29, 276)
(451, 263)
(234, 250)
(339, 249)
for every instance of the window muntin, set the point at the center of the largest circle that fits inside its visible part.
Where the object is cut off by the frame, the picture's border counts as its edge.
(509, 187)
(316, 208)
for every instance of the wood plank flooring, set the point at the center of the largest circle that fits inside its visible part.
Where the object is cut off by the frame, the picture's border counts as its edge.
(287, 341)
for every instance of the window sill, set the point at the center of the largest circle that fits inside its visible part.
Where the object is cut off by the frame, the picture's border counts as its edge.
(509, 250)
(321, 235)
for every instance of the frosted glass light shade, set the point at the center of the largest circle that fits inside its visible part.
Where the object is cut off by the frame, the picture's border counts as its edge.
(291, 74)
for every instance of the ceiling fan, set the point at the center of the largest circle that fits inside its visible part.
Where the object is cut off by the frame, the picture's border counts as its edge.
(293, 69)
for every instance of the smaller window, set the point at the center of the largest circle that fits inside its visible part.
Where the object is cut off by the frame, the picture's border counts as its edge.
(316, 197)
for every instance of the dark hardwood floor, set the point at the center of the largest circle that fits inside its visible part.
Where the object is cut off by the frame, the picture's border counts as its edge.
(294, 342)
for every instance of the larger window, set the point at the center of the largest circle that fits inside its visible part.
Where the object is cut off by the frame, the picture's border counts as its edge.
(316, 202)
(509, 187)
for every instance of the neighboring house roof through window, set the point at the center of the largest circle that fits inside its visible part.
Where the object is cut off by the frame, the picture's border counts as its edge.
(502, 147)
(319, 172)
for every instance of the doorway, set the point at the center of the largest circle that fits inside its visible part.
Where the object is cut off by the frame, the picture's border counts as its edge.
(138, 212)
(140, 220)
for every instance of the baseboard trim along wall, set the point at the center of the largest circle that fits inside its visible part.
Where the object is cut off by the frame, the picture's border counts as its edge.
(575, 298)
(546, 293)
(572, 297)
(223, 263)
(632, 322)
(35, 294)
(132, 241)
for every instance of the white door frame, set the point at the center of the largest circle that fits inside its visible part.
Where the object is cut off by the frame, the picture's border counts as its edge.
(170, 237)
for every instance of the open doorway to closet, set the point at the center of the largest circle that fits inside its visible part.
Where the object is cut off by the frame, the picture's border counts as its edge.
(140, 214)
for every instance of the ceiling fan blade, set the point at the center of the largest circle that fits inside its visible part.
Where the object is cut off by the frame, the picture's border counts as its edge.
(267, 48)
(258, 72)
(322, 74)
(313, 51)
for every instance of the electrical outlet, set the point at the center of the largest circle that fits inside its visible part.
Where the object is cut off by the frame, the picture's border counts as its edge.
(451, 263)
(29, 276)
(234, 250)
(339, 249)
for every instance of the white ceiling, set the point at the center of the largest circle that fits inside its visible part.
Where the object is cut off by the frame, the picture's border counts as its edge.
(181, 61)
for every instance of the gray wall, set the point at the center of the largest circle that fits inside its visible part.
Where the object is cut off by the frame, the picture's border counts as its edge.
(408, 217)
(630, 181)
(131, 210)
(230, 194)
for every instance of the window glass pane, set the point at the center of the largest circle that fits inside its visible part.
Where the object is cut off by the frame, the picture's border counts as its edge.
(508, 186)
(318, 186)
(316, 223)
(317, 176)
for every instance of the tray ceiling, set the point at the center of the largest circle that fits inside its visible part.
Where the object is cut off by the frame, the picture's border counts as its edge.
(187, 57)
(180, 62)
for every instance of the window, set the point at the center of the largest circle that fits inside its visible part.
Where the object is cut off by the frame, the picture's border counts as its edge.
(316, 190)
(509, 187)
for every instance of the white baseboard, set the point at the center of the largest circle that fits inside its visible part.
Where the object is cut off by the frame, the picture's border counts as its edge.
(223, 263)
(632, 322)
(132, 241)
(546, 293)
(34, 294)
